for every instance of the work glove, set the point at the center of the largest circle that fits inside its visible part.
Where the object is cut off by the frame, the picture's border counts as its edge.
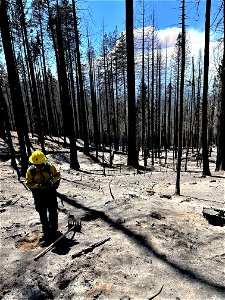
(46, 184)
(56, 184)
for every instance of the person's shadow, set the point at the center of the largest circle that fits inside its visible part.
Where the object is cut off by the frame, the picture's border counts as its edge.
(62, 247)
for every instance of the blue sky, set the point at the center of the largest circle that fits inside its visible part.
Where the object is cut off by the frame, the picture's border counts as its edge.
(167, 22)
(167, 12)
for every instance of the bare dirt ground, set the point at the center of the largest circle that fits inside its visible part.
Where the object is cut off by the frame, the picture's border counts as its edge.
(151, 240)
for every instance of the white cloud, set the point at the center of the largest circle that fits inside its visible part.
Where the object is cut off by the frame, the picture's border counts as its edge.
(197, 42)
(168, 37)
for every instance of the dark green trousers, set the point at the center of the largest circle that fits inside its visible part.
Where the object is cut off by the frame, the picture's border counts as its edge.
(47, 206)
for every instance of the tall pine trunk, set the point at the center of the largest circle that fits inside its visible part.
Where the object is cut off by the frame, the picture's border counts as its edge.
(152, 93)
(80, 77)
(221, 149)
(69, 124)
(143, 91)
(181, 101)
(132, 146)
(206, 170)
(93, 100)
(6, 127)
(14, 85)
(34, 91)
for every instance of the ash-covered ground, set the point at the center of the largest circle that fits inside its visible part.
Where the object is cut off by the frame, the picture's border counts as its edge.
(138, 238)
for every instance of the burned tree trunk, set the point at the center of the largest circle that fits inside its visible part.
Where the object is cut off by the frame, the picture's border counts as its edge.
(132, 147)
(181, 100)
(206, 170)
(14, 84)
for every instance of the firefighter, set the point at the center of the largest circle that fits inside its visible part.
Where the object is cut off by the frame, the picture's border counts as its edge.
(42, 178)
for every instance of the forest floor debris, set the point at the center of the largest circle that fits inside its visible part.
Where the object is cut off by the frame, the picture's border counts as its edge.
(155, 238)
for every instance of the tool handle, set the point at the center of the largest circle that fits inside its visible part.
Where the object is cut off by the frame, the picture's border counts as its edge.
(52, 245)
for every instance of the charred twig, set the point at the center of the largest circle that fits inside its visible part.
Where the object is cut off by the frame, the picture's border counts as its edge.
(90, 248)
(155, 294)
(111, 190)
(16, 201)
(217, 256)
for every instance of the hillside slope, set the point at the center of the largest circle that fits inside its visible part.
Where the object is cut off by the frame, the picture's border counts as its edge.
(150, 237)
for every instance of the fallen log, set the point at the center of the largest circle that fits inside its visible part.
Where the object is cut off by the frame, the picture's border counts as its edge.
(90, 248)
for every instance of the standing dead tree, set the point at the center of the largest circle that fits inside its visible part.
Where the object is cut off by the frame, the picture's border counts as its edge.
(181, 100)
(14, 84)
(221, 149)
(132, 147)
(206, 170)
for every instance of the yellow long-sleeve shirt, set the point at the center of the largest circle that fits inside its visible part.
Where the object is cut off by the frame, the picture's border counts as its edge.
(36, 178)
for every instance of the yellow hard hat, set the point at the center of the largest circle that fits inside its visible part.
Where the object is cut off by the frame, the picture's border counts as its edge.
(37, 157)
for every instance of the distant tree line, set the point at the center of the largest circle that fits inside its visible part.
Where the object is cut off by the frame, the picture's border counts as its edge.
(128, 98)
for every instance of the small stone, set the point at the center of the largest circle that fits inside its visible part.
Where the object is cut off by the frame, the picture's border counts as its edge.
(64, 284)
(120, 221)
(151, 193)
(87, 283)
(166, 196)
(156, 215)
(97, 295)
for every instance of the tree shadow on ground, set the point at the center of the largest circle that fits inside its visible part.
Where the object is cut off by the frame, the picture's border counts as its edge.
(140, 240)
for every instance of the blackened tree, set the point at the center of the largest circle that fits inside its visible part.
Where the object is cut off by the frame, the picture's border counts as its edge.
(132, 147)
(14, 84)
(222, 113)
(206, 170)
(181, 100)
